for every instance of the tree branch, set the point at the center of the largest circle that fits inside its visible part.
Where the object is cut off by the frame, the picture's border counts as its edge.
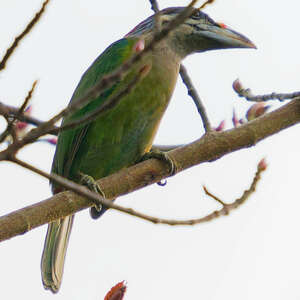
(192, 92)
(209, 148)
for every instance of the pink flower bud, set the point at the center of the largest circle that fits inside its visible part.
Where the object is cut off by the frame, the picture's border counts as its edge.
(256, 110)
(21, 126)
(52, 141)
(262, 165)
(237, 86)
(221, 126)
(235, 120)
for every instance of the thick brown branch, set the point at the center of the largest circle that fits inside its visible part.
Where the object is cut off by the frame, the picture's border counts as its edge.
(210, 147)
(14, 45)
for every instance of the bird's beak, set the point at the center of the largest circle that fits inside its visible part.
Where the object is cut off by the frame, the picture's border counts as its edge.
(223, 37)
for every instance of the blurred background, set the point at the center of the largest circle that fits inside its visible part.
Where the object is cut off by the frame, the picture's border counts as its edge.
(251, 254)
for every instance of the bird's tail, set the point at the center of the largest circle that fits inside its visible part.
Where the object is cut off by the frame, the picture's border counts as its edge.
(56, 243)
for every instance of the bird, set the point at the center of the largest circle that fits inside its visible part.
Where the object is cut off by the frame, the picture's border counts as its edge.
(123, 134)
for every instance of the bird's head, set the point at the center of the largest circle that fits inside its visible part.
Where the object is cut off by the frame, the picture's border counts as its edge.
(197, 33)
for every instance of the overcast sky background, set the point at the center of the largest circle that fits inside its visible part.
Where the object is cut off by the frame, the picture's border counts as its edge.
(251, 254)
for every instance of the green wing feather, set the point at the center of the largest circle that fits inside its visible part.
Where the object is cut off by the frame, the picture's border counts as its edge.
(70, 140)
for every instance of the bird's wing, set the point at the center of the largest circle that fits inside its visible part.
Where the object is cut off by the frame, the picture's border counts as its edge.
(69, 140)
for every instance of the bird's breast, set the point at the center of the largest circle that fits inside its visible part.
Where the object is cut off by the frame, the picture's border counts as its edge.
(123, 134)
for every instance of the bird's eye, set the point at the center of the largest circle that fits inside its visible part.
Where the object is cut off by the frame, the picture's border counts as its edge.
(197, 15)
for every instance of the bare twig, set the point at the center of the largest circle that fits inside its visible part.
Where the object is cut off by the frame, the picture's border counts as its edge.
(154, 5)
(194, 95)
(14, 45)
(206, 3)
(209, 148)
(27, 99)
(247, 93)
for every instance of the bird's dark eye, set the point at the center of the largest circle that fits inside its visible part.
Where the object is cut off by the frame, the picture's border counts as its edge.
(197, 15)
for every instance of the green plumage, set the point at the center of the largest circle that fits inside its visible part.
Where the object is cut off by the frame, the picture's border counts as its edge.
(120, 136)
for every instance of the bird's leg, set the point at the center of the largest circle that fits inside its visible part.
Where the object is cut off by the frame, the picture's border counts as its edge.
(98, 209)
(161, 155)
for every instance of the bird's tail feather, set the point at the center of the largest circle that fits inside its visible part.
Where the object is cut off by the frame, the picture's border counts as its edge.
(56, 242)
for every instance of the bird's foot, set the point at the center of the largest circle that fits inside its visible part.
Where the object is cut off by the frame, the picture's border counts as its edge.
(162, 156)
(98, 209)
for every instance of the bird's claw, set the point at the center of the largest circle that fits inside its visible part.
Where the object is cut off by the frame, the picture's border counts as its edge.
(164, 157)
(98, 209)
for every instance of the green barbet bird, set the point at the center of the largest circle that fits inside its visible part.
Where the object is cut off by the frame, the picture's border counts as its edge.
(121, 136)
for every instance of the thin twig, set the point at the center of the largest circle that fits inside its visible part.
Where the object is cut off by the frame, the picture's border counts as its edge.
(27, 99)
(154, 5)
(206, 3)
(247, 94)
(14, 45)
(196, 98)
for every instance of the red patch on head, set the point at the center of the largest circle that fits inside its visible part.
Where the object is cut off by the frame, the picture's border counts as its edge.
(222, 25)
